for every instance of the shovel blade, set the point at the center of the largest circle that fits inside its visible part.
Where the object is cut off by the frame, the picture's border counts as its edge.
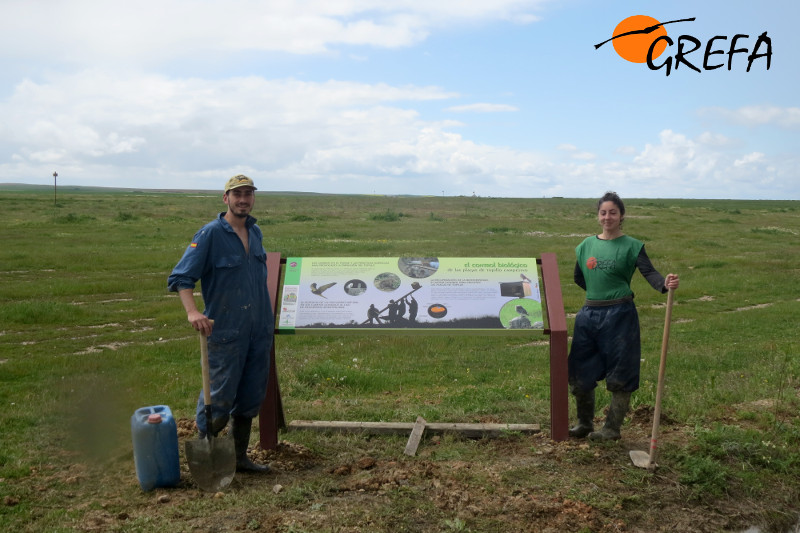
(641, 459)
(212, 462)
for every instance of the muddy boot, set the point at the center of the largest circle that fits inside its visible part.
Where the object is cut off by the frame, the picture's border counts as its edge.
(584, 404)
(240, 427)
(620, 401)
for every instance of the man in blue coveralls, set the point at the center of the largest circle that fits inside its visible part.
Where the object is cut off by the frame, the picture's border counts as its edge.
(227, 256)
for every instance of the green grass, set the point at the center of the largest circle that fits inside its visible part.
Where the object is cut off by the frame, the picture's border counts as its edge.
(725, 458)
(88, 333)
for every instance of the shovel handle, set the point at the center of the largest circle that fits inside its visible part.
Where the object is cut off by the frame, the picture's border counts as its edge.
(206, 371)
(661, 372)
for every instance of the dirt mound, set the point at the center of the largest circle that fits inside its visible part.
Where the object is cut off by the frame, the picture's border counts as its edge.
(643, 415)
(287, 457)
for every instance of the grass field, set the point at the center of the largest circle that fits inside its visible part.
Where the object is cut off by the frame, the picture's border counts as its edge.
(88, 334)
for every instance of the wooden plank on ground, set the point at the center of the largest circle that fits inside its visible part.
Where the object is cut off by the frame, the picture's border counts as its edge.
(402, 428)
(416, 436)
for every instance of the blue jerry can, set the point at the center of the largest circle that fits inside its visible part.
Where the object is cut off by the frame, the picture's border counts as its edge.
(155, 447)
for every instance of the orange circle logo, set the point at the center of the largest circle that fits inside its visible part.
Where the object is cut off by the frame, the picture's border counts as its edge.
(591, 263)
(634, 36)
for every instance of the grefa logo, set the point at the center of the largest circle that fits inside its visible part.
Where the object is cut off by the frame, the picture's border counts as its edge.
(643, 39)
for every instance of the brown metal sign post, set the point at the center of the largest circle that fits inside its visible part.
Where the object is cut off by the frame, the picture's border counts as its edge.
(556, 319)
(271, 417)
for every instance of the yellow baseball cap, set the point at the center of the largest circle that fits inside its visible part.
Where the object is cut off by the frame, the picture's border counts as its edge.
(240, 180)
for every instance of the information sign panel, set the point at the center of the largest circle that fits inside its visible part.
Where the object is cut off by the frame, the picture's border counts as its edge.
(410, 293)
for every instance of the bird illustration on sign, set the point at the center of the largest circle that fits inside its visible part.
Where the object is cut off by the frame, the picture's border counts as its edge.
(318, 290)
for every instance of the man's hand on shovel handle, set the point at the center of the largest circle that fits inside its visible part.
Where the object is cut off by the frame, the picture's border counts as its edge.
(201, 323)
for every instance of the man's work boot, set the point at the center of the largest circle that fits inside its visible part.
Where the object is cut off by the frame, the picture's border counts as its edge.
(240, 427)
(620, 402)
(584, 404)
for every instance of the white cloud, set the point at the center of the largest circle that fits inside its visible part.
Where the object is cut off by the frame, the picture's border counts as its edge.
(289, 130)
(84, 32)
(679, 166)
(756, 115)
(94, 114)
(482, 108)
(748, 159)
(574, 153)
(156, 132)
(626, 150)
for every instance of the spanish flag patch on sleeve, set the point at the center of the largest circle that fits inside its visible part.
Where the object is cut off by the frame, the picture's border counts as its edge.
(193, 245)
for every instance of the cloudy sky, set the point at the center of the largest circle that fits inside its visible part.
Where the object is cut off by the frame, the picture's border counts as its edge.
(443, 97)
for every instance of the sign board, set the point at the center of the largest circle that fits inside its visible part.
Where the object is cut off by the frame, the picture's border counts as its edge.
(410, 293)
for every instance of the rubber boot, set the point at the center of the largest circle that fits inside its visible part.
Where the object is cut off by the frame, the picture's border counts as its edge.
(584, 404)
(240, 427)
(620, 402)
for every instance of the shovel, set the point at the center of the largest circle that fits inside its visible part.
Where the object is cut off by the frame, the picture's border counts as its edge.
(640, 458)
(212, 461)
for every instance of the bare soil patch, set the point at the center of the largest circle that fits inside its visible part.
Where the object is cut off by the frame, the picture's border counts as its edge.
(521, 483)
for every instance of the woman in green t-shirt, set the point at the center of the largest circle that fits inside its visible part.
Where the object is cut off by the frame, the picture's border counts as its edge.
(606, 343)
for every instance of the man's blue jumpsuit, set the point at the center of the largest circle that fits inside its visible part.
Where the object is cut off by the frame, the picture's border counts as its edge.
(234, 287)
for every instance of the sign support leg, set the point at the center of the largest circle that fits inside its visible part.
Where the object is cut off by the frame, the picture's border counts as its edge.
(271, 417)
(556, 319)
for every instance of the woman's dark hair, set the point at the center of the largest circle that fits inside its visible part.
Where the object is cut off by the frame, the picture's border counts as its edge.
(612, 197)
